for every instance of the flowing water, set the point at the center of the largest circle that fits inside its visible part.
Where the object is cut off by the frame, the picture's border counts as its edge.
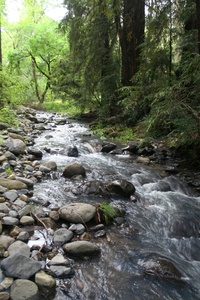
(164, 222)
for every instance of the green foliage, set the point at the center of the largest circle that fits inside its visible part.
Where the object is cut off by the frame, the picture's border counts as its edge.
(109, 211)
(9, 171)
(7, 115)
(61, 107)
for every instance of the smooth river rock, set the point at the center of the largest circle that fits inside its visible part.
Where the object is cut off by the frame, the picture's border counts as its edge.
(12, 184)
(24, 289)
(81, 249)
(77, 212)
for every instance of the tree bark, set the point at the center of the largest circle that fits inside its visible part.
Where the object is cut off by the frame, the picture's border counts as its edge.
(198, 22)
(131, 36)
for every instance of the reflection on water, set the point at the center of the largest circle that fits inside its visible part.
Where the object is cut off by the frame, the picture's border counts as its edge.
(163, 222)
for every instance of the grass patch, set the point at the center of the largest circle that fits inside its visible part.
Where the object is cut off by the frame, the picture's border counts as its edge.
(61, 107)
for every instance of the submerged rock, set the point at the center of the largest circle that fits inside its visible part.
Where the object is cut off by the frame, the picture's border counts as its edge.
(162, 268)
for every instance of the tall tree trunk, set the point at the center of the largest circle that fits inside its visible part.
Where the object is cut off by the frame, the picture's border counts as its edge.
(35, 80)
(131, 36)
(198, 22)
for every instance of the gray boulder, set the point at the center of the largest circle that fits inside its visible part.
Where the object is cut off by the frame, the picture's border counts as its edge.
(81, 248)
(15, 146)
(20, 266)
(24, 289)
(74, 169)
(77, 212)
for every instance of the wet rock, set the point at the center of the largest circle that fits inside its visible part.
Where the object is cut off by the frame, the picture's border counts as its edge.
(37, 153)
(77, 228)
(15, 146)
(143, 160)
(4, 208)
(10, 156)
(108, 147)
(1, 228)
(46, 284)
(12, 184)
(61, 271)
(19, 247)
(24, 289)
(81, 249)
(59, 260)
(74, 169)
(50, 165)
(100, 233)
(26, 221)
(29, 183)
(73, 151)
(23, 236)
(4, 296)
(6, 283)
(6, 241)
(2, 159)
(121, 187)
(10, 221)
(62, 236)
(44, 169)
(11, 195)
(77, 212)
(24, 211)
(20, 266)
(4, 126)
(95, 187)
(132, 148)
(54, 215)
(162, 268)
(185, 227)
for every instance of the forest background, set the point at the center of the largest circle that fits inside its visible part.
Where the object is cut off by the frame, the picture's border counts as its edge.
(134, 64)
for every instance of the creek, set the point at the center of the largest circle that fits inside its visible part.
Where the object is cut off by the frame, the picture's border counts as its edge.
(164, 222)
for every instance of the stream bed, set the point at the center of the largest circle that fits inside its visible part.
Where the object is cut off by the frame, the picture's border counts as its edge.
(162, 224)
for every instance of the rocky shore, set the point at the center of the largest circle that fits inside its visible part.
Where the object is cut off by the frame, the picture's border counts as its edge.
(30, 270)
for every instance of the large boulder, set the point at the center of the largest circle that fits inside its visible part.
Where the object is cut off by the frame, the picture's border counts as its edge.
(121, 187)
(77, 212)
(74, 169)
(15, 146)
(12, 184)
(81, 248)
(20, 266)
